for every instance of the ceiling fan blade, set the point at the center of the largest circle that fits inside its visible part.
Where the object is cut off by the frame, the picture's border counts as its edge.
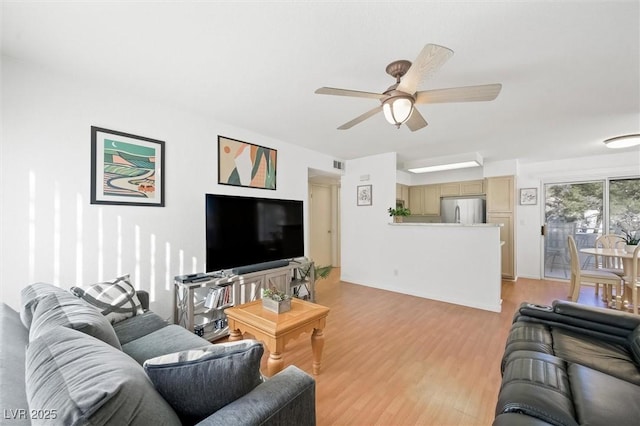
(345, 92)
(416, 121)
(430, 59)
(485, 92)
(360, 118)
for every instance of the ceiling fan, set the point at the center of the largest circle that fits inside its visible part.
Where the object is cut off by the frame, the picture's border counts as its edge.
(399, 100)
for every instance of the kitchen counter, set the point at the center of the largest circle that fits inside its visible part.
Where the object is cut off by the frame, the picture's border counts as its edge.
(450, 262)
(455, 225)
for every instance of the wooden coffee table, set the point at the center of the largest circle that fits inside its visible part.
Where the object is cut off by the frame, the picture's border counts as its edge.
(275, 330)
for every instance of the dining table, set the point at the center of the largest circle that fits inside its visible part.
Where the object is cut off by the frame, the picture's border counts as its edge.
(621, 253)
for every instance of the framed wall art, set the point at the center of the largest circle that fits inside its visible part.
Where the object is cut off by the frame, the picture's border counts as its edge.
(126, 169)
(365, 195)
(528, 196)
(245, 164)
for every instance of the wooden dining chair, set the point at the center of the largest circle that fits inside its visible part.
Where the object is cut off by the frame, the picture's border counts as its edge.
(607, 263)
(632, 281)
(578, 276)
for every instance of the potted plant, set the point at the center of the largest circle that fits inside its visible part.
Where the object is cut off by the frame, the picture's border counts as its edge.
(629, 225)
(319, 273)
(322, 272)
(275, 300)
(632, 238)
(398, 213)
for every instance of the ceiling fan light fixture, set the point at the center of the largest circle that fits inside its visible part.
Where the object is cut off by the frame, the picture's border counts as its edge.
(624, 141)
(397, 109)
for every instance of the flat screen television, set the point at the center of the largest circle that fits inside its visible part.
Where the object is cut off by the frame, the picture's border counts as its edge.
(246, 230)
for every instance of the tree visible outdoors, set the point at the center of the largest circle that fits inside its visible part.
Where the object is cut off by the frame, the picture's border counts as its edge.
(624, 205)
(582, 203)
(575, 202)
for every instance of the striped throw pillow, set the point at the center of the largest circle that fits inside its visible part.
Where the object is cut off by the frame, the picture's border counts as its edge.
(116, 299)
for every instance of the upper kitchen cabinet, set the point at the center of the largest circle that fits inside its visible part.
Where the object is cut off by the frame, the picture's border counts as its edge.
(450, 189)
(424, 200)
(402, 193)
(470, 187)
(500, 194)
(432, 200)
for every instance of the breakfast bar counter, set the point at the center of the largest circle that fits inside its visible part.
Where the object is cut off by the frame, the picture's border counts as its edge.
(449, 262)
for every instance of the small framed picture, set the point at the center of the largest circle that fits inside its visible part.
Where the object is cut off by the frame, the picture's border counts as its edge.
(364, 195)
(528, 196)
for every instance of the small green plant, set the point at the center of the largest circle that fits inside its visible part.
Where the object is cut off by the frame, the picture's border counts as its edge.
(275, 294)
(399, 211)
(632, 238)
(322, 272)
(629, 225)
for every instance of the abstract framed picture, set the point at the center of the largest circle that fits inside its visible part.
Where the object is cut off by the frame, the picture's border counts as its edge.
(528, 196)
(126, 169)
(364, 195)
(245, 164)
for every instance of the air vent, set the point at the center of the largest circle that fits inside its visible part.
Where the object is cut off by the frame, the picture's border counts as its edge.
(338, 165)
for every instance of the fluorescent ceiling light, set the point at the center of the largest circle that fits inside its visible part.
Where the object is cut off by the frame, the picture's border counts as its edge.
(445, 167)
(445, 163)
(624, 141)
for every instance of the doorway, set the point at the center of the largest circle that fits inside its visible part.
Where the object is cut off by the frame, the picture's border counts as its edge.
(324, 219)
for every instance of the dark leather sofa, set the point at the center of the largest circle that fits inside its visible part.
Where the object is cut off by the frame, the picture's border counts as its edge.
(570, 364)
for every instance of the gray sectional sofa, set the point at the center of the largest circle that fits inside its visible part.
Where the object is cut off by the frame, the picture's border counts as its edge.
(570, 364)
(70, 366)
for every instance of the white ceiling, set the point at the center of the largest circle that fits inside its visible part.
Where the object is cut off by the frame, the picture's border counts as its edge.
(569, 69)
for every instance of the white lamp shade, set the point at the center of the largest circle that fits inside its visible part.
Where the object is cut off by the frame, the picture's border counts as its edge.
(397, 110)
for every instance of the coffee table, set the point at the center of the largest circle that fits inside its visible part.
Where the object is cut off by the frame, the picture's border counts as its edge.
(275, 330)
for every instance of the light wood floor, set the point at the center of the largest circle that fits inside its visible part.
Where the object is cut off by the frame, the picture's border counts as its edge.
(405, 360)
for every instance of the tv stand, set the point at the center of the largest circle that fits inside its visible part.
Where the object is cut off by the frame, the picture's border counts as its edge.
(199, 305)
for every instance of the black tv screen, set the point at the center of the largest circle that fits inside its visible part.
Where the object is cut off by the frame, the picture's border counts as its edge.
(245, 230)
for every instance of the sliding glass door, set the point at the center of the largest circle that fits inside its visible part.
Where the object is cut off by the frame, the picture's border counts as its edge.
(624, 205)
(586, 210)
(570, 209)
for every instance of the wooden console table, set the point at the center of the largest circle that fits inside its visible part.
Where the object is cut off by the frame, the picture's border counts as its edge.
(275, 330)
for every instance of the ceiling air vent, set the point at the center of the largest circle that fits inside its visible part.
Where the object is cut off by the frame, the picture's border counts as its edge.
(338, 165)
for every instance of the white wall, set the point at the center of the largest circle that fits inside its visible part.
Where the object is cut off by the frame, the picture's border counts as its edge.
(419, 260)
(363, 228)
(49, 230)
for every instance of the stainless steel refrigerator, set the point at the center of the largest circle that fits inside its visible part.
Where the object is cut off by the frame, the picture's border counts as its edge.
(465, 210)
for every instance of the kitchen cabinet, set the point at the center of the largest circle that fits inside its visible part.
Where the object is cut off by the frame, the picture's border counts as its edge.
(454, 189)
(500, 194)
(424, 200)
(402, 193)
(472, 187)
(505, 220)
(501, 210)
(450, 189)
(432, 200)
(416, 196)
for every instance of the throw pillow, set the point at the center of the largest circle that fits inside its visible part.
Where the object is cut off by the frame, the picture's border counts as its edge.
(66, 310)
(198, 382)
(87, 382)
(31, 295)
(116, 299)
